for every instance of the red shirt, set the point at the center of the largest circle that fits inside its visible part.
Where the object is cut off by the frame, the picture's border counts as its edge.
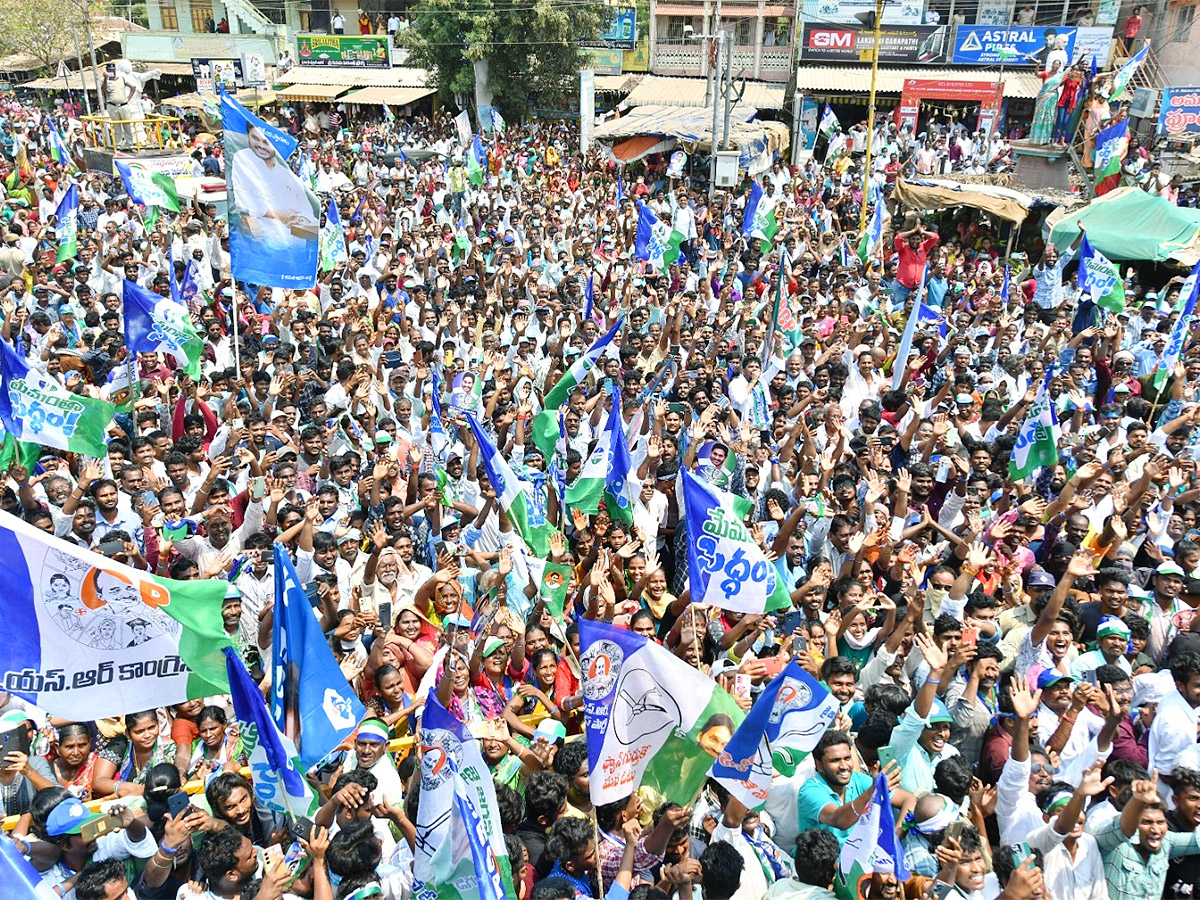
(912, 262)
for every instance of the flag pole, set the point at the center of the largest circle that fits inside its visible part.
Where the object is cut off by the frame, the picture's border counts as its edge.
(596, 838)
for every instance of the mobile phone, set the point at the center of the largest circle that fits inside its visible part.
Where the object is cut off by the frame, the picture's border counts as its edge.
(677, 407)
(148, 497)
(955, 830)
(178, 802)
(101, 826)
(393, 359)
(110, 548)
(773, 666)
(301, 829)
(14, 741)
(1020, 852)
(741, 683)
(886, 755)
(272, 856)
(313, 596)
(385, 614)
(970, 637)
(258, 487)
(1090, 677)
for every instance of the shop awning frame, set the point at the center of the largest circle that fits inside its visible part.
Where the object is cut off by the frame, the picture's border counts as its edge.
(392, 96)
(318, 93)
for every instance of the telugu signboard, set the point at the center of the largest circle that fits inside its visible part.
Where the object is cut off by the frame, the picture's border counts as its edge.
(915, 44)
(622, 30)
(345, 51)
(1180, 111)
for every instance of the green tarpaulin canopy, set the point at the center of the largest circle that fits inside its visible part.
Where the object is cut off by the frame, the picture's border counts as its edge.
(1129, 224)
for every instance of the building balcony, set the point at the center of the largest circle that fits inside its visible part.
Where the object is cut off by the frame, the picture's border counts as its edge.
(760, 64)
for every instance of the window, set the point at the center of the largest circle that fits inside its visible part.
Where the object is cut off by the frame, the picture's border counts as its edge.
(743, 34)
(1183, 23)
(675, 29)
(170, 19)
(202, 15)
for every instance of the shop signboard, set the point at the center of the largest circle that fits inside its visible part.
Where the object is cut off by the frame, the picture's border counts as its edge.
(344, 51)
(908, 45)
(1180, 111)
(622, 30)
(1015, 45)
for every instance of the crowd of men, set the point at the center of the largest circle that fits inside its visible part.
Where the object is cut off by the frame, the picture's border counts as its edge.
(1015, 653)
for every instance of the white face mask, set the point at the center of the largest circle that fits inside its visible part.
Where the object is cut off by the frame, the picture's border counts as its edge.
(937, 595)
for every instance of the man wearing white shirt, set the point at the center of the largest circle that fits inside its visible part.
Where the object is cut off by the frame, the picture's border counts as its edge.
(1173, 733)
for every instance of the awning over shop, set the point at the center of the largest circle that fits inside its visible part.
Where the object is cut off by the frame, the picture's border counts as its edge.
(392, 96)
(636, 147)
(397, 76)
(942, 193)
(852, 79)
(312, 92)
(1129, 224)
(248, 98)
(73, 82)
(618, 84)
(654, 90)
(758, 142)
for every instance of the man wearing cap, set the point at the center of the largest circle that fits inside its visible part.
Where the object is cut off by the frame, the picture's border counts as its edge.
(922, 739)
(1112, 641)
(132, 840)
(1166, 585)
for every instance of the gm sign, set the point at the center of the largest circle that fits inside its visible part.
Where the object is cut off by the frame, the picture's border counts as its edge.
(825, 39)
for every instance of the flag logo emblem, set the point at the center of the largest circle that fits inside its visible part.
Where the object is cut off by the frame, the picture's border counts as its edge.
(444, 751)
(602, 663)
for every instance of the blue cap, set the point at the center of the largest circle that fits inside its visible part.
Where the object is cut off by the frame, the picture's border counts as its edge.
(939, 713)
(1051, 677)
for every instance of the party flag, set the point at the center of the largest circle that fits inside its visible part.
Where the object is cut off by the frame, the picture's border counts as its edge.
(872, 846)
(1037, 441)
(649, 716)
(782, 728)
(34, 407)
(726, 567)
(656, 241)
(84, 636)
(1111, 144)
(67, 215)
(1101, 277)
(275, 770)
(310, 700)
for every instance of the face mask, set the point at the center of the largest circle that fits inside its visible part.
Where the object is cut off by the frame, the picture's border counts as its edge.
(937, 596)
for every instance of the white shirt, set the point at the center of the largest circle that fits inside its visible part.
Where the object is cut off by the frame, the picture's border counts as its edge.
(1078, 877)
(1173, 736)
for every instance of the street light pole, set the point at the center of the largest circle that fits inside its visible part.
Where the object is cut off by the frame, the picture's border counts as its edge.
(87, 30)
(862, 221)
(87, 101)
(719, 37)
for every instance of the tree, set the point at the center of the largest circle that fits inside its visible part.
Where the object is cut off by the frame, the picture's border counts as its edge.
(41, 31)
(532, 47)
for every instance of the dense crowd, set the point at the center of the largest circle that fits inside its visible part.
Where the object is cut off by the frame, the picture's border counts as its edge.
(1016, 655)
